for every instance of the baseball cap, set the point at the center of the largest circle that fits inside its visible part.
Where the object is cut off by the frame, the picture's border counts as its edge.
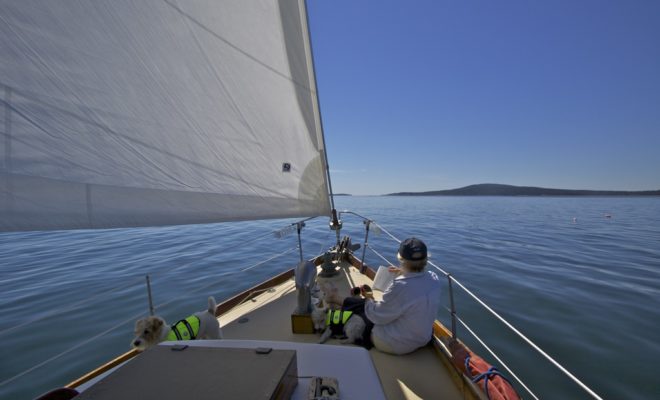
(412, 249)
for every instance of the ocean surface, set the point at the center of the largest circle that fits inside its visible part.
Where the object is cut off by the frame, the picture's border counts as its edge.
(580, 276)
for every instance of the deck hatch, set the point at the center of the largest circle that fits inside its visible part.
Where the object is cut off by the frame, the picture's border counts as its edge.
(201, 373)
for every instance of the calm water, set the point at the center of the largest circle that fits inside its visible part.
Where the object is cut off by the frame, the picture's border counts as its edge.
(585, 290)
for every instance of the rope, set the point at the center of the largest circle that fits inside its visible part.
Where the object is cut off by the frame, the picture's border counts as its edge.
(492, 353)
(492, 371)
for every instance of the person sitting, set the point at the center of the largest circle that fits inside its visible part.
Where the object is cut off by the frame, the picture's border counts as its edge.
(403, 319)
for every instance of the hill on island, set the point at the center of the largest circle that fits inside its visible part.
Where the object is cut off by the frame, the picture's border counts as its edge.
(493, 189)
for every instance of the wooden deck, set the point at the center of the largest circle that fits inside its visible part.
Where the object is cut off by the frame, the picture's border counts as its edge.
(419, 375)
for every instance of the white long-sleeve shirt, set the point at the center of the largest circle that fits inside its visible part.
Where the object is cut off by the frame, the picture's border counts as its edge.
(404, 318)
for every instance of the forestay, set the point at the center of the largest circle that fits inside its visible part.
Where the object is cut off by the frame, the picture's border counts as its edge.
(122, 113)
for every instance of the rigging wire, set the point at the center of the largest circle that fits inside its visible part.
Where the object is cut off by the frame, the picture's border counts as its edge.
(125, 285)
(526, 339)
(505, 322)
(78, 345)
(70, 307)
(269, 259)
(354, 213)
(442, 270)
(67, 351)
(133, 318)
(215, 282)
(323, 243)
(469, 330)
(476, 337)
(502, 363)
(387, 232)
(381, 256)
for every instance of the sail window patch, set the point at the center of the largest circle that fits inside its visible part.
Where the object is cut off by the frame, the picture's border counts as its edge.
(286, 167)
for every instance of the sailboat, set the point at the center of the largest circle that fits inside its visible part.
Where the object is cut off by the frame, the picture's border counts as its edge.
(129, 114)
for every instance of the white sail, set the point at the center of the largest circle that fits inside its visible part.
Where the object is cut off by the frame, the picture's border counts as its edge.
(156, 112)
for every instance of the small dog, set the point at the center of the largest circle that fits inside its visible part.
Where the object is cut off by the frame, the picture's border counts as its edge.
(350, 331)
(319, 315)
(353, 327)
(152, 330)
(330, 295)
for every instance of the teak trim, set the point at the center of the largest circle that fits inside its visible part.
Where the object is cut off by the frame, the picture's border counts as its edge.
(220, 309)
(103, 368)
(254, 291)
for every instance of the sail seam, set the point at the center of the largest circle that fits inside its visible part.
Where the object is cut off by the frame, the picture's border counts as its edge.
(124, 137)
(7, 164)
(88, 201)
(213, 69)
(312, 76)
(238, 49)
(7, 130)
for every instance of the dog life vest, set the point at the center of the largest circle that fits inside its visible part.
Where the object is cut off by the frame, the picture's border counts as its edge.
(336, 320)
(186, 329)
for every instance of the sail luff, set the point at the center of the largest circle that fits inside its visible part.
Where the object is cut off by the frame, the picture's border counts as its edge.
(157, 113)
(317, 102)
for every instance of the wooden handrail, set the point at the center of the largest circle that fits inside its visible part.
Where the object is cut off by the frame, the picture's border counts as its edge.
(221, 309)
(103, 368)
(252, 292)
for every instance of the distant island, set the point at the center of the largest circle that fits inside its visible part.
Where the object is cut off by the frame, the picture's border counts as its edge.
(341, 194)
(493, 189)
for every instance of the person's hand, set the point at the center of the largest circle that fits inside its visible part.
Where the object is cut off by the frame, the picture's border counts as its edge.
(366, 292)
(395, 270)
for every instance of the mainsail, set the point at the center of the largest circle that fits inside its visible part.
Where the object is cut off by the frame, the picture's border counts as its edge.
(138, 113)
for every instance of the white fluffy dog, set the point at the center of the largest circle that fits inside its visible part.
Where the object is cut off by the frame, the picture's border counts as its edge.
(152, 330)
(331, 302)
(352, 330)
(319, 315)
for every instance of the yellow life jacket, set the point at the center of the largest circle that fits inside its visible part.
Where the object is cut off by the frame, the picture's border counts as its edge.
(336, 320)
(186, 329)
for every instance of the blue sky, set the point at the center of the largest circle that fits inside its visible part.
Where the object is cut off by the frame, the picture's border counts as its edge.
(428, 95)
